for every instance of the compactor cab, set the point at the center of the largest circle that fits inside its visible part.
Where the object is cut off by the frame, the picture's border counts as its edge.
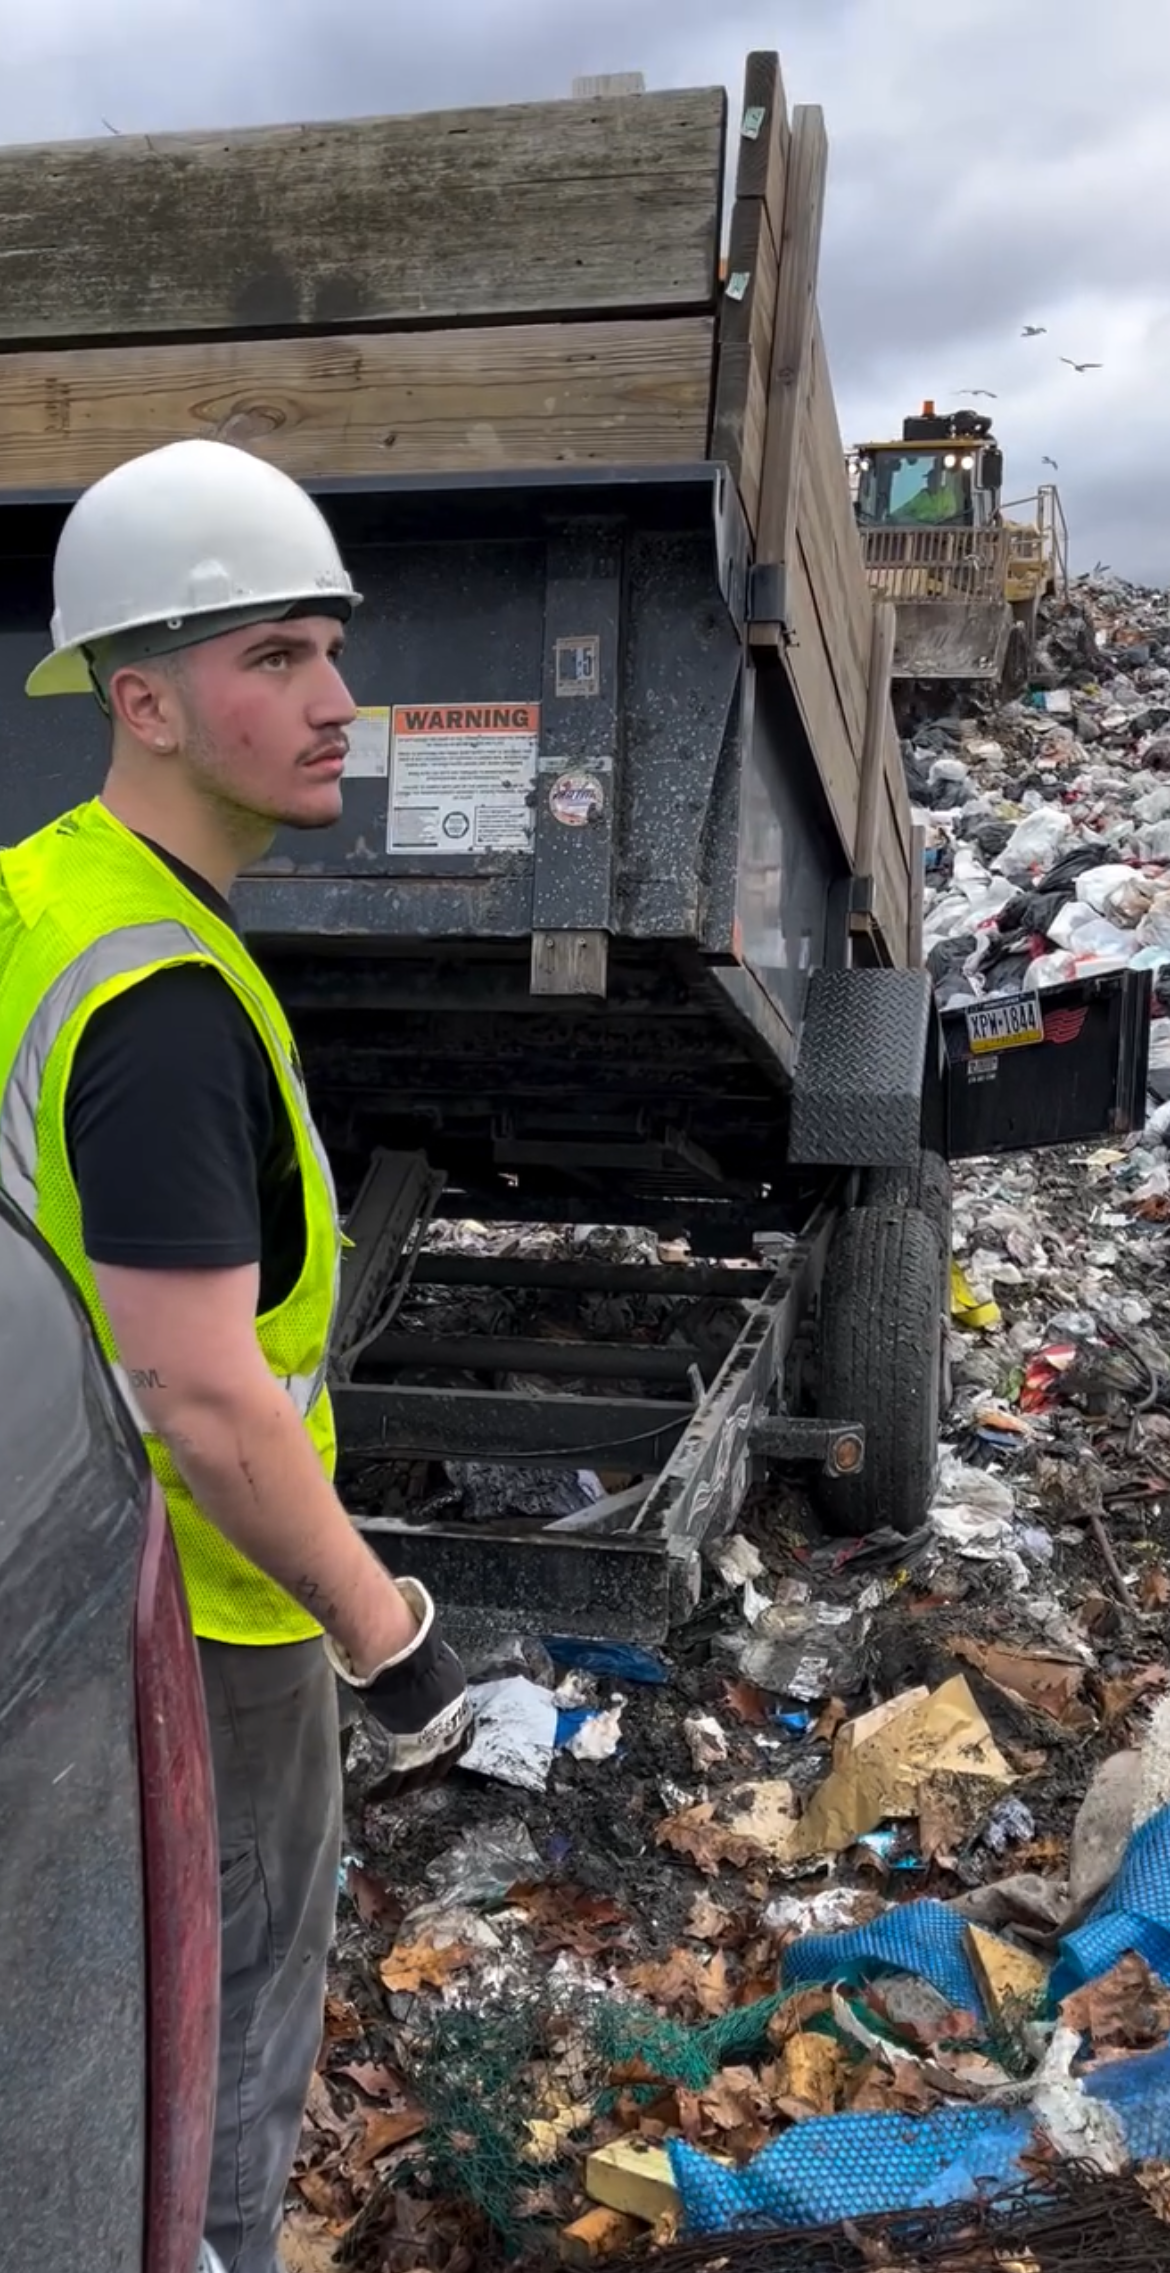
(966, 581)
(946, 472)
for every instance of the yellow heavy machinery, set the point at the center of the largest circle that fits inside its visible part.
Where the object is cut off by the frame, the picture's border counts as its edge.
(966, 580)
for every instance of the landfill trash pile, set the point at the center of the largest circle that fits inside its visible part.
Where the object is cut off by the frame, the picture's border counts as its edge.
(838, 1933)
(1048, 836)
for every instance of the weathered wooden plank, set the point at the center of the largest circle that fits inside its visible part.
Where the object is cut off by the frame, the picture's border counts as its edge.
(792, 341)
(529, 210)
(873, 805)
(847, 642)
(914, 941)
(825, 488)
(570, 963)
(808, 667)
(747, 313)
(891, 897)
(401, 402)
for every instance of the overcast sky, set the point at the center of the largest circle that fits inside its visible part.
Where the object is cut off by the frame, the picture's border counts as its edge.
(994, 164)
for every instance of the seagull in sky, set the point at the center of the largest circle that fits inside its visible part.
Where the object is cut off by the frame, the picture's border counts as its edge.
(1081, 366)
(974, 391)
(1034, 331)
(1050, 462)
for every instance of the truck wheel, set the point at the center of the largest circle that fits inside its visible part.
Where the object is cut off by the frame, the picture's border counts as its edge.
(924, 1186)
(881, 1341)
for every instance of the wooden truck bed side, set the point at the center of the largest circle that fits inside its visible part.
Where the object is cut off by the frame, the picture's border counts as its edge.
(505, 290)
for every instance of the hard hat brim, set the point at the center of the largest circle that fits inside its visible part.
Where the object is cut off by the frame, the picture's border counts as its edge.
(65, 672)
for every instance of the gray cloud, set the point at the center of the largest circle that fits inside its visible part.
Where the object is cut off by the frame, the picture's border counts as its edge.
(990, 166)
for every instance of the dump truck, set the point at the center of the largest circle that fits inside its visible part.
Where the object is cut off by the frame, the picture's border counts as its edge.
(622, 923)
(966, 581)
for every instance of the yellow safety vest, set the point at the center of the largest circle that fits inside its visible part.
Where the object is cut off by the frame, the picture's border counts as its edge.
(86, 911)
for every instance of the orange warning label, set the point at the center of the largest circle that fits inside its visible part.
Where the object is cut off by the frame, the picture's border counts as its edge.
(463, 777)
(468, 718)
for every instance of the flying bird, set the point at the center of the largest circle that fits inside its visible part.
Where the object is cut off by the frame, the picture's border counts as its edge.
(1034, 331)
(1081, 366)
(973, 391)
(1050, 462)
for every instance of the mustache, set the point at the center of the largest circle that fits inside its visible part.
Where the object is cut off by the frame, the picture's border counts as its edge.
(330, 746)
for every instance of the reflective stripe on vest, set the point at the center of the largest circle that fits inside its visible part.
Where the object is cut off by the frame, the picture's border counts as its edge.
(114, 956)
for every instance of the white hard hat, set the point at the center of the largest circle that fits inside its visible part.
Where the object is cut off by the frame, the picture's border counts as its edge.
(197, 530)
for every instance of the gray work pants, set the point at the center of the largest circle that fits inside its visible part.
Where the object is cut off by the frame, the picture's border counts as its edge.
(276, 1755)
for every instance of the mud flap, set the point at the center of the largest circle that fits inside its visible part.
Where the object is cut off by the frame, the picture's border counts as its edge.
(868, 1048)
(1058, 1067)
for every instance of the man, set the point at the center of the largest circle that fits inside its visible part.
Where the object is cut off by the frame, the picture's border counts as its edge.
(153, 1123)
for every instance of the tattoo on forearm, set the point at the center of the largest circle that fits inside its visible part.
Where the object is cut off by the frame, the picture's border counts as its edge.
(314, 1598)
(146, 1377)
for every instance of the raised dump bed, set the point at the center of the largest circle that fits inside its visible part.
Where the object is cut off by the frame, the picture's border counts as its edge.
(622, 920)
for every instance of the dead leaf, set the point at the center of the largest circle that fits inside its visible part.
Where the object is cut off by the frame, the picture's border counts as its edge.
(746, 1703)
(415, 1965)
(731, 2098)
(708, 1920)
(685, 1982)
(373, 1900)
(377, 2083)
(1154, 2180)
(1154, 1591)
(810, 2071)
(567, 1917)
(320, 2111)
(1126, 2009)
(1045, 1681)
(754, 1823)
(321, 2192)
(549, 2135)
(307, 2248)
(342, 2023)
(1119, 1696)
(385, 2129)
(796, 2013)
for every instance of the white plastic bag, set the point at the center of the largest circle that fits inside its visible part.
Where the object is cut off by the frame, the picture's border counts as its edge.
(1099, 887)
(1035, 842)
(1052, 970)
(1154, 928)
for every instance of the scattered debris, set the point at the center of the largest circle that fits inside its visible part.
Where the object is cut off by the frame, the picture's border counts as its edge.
(882, 1840)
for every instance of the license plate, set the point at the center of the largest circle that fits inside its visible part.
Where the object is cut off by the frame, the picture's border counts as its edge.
(1013, 1025)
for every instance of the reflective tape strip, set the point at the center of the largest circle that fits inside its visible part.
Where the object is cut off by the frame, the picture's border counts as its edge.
(113, 957)
(133, 947)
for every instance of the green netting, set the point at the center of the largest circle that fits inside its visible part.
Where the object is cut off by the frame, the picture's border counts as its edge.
(678, 2053)
(474, 2079)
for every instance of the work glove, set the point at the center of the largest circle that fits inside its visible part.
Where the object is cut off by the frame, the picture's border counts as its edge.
(419, 1718)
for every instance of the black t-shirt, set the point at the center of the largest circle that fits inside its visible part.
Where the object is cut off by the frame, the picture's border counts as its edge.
(178, 1136)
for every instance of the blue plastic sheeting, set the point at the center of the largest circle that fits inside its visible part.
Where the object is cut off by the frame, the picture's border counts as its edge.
(925, 1938)
(1138, 2091)
(1133, 1915)
(623, 1661)
(858, 2166)
(854, 2166)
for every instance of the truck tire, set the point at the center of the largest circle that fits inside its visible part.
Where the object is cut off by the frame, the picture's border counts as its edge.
(925, 1186)
(881, 1359)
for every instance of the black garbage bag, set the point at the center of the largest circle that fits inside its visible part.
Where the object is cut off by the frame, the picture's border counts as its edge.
(1032, 912)
(1063, 874)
